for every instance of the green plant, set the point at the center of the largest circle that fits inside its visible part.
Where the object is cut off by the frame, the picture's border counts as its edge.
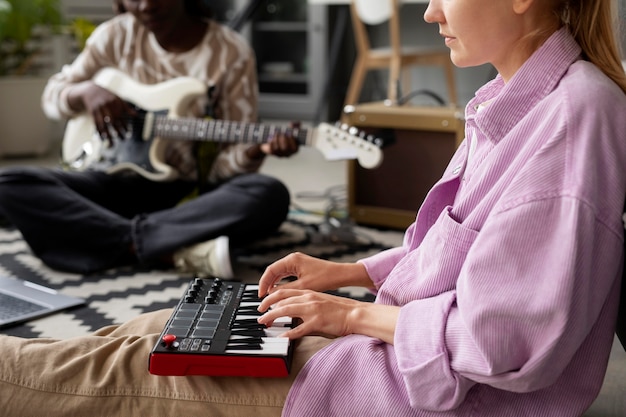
(22, 22)
(81, 28)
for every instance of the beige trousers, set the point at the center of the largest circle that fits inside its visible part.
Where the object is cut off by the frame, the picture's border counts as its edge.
(106, 374)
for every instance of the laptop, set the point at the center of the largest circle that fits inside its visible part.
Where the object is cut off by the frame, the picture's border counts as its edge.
(21, 301)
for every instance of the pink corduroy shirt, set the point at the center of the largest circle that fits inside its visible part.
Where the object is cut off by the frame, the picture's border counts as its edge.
(508, 280)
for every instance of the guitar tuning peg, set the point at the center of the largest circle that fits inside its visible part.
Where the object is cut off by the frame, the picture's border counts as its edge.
(353, 131)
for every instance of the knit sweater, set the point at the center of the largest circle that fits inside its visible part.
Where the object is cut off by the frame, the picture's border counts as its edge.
(222, 60)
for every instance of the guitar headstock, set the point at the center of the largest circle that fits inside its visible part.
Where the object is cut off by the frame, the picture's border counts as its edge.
(346, 142)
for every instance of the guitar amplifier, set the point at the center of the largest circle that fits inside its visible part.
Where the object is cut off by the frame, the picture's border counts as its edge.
(423, 140)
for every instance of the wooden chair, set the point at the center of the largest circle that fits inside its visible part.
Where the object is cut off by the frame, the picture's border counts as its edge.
(395, 57)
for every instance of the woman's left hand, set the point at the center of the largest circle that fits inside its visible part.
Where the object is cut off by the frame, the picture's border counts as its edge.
(329, 315)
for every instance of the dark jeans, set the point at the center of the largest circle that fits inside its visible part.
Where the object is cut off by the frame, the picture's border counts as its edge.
(88, 221)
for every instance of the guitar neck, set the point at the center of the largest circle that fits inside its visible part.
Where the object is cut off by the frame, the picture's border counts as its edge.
(221, 130)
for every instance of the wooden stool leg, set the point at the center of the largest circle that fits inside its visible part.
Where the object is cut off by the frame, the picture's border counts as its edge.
(356, 82)
(394, 78)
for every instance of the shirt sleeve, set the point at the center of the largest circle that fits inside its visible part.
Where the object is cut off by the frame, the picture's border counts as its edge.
(97, 54)
(529, 292)
(379, 266)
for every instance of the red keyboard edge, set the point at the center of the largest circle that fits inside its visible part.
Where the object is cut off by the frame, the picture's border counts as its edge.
(217, 365)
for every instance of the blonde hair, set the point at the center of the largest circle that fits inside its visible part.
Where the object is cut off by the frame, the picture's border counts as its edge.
(593, 23)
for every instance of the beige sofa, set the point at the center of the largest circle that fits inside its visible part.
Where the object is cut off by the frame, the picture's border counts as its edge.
(612, 399)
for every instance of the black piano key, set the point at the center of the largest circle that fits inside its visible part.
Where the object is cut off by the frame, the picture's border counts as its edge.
(246, 322)
(248, 326)
(234, 346)
(249, 311)
(251, 296)
(248, 332)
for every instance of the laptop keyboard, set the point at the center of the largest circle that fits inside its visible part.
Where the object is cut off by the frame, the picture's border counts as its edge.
(14, 307)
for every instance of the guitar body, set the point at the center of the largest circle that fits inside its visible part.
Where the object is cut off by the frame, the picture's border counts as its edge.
(83, 148)
(160, 107)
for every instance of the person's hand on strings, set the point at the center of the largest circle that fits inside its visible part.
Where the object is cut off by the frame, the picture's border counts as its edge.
(283, 143)
(111, 114)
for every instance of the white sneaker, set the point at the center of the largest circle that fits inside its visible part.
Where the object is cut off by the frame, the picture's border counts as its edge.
(210, 258)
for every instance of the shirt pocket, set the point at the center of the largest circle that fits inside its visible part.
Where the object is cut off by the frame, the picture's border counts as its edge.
(433, 267)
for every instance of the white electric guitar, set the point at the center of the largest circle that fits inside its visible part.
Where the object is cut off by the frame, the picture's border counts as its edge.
(159, 107)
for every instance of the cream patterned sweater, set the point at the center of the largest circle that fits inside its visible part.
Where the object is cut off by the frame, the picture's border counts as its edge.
(223, 60)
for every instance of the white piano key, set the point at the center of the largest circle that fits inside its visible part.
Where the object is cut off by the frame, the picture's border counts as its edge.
(248, 304)
(276, 332)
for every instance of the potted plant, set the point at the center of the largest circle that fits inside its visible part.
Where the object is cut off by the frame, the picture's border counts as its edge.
(23, 24)
(33, 39)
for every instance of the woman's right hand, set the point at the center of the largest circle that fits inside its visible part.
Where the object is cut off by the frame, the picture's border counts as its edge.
(312, 274)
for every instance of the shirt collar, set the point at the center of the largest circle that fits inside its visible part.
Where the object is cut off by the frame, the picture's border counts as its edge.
(537, 78)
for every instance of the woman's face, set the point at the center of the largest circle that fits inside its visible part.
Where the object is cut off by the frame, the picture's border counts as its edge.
(480, 31)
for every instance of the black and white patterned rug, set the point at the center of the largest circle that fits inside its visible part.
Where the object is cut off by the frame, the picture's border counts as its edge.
(118, 295)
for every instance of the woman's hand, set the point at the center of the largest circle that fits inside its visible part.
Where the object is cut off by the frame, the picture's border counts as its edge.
(322, 313)
(312, 274)
(329, 315)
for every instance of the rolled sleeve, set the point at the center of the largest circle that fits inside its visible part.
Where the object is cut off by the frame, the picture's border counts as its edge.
(422, 356)
(380, 265)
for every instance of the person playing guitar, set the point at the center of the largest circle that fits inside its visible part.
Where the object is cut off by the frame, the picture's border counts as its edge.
(91, 220)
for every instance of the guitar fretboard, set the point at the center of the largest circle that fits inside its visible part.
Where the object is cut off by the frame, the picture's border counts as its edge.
(223, 131)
